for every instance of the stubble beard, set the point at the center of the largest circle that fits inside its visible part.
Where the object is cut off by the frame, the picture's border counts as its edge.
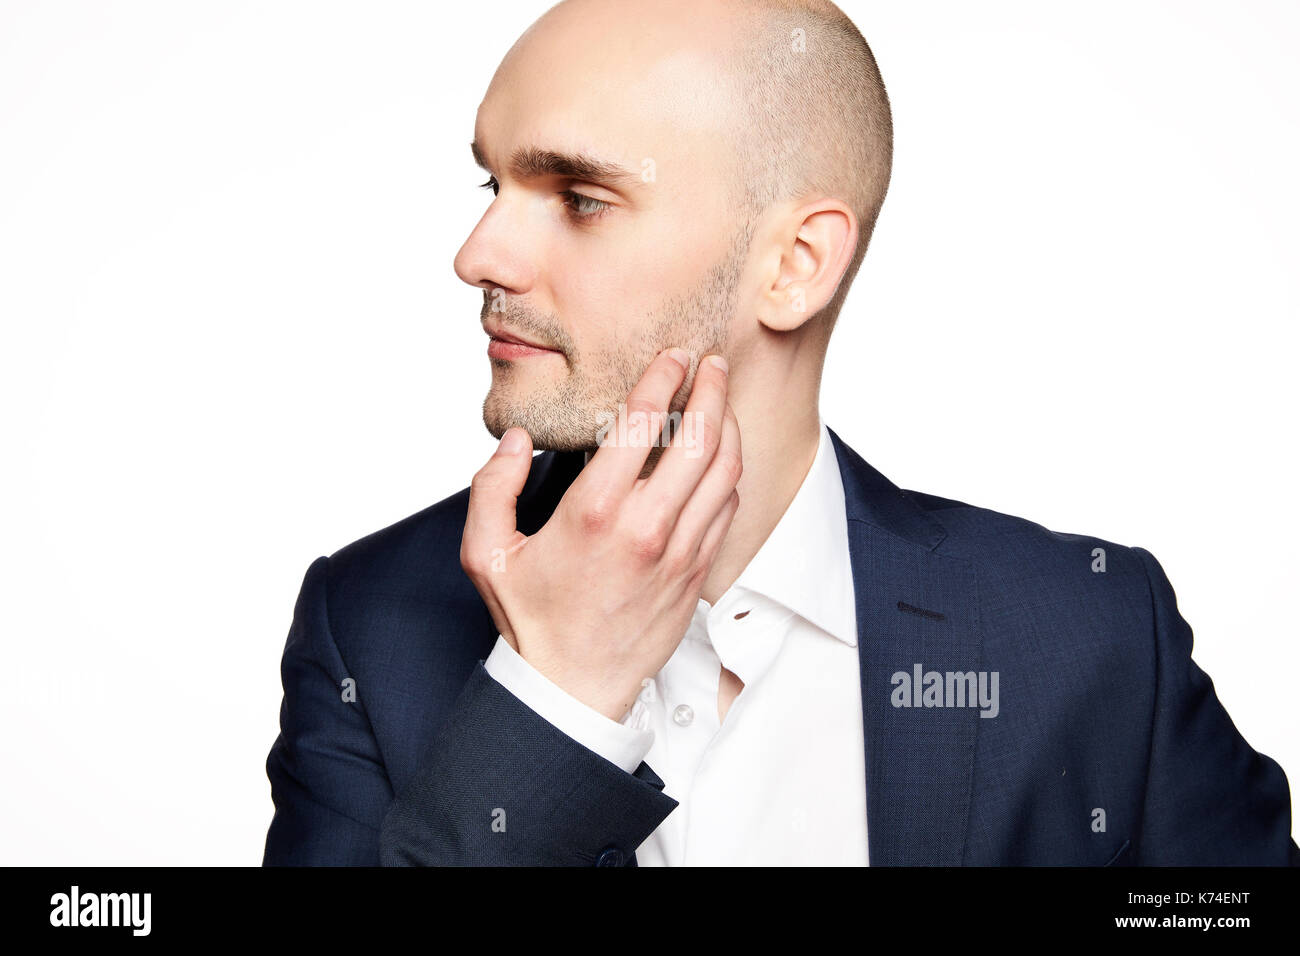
(568, 412)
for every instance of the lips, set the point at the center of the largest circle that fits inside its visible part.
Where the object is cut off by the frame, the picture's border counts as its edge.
(506, 345)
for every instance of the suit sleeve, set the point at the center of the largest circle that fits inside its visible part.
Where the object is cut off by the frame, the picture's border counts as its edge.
(498, 785)
(501, 786)
(1210, 800)
(328, 780)
(614, 740)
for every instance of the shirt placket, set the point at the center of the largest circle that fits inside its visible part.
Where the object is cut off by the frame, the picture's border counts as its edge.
(690, 708)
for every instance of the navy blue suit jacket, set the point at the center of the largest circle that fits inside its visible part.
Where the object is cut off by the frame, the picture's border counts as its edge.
(1100, 707)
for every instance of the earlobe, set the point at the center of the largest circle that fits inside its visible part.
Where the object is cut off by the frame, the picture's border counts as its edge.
(785, 309)
(820, 248)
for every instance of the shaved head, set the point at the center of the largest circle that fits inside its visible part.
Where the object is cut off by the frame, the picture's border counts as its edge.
(685, 173)
(813, 115)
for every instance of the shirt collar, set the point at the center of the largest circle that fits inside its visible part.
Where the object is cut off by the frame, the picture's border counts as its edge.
(804, 564)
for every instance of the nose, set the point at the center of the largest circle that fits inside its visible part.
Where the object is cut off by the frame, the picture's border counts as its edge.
(495, 257)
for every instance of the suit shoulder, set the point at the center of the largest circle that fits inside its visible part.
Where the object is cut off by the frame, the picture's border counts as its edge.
(427, 536)
(420, 554)
(1011, 549)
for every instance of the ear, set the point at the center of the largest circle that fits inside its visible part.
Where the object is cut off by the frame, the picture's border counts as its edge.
(817, 245)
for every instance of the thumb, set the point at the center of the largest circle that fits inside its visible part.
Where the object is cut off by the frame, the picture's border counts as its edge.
(490, 519)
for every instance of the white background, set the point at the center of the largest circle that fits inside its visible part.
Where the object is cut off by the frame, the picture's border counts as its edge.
(233, 341)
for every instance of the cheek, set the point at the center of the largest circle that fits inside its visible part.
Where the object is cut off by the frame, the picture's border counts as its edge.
(611, 285)
(604, 300)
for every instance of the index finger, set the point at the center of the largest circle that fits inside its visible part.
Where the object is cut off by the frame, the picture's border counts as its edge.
(625, 444)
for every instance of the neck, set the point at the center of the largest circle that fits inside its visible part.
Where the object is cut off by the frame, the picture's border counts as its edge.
(778, 448)
(774, 394)
(778, 451)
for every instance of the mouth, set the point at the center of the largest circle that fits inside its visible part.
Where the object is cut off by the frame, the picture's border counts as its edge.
(504, 345)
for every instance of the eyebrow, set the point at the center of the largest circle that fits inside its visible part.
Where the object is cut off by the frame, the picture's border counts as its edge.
(530, 162)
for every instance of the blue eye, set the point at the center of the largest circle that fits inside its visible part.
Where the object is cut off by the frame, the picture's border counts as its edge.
(583, 207)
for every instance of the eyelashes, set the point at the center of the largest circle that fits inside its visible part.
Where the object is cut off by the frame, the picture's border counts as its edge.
(581, 208)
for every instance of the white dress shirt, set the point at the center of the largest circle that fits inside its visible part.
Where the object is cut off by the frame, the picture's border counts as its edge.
(782, 780)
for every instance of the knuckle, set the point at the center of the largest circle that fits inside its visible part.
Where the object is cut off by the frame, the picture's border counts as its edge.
(468, 562)
(594, 522)
(668, 372)
(484, 480)
(729, 463)
(707, 434)
(649, 542)
(638, 405)
(713, 379)
(678, 564)
(596, 516)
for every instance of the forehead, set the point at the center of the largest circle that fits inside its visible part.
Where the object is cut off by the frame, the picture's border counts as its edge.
(625, 92)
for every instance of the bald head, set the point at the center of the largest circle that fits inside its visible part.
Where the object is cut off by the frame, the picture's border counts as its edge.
(791, 84)
(694, 173)
(813, 116)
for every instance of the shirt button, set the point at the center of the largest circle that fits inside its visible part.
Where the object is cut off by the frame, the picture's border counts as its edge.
(683, 715)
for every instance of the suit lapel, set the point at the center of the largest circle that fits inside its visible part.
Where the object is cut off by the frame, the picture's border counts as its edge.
(919, 759)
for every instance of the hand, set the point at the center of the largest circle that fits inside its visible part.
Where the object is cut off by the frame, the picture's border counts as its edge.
(600, 597)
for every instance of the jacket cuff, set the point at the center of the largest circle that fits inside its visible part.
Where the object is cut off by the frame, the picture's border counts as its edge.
(500, 785)
(616, 742)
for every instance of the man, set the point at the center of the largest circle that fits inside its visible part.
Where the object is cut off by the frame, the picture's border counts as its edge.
(615, 653)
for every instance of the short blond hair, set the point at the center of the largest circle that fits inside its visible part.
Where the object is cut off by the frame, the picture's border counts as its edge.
(814, 115)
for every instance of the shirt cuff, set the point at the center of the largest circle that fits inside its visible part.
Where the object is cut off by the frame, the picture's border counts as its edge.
(616, 742)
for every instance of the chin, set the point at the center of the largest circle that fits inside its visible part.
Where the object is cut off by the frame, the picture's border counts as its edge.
(552, 426)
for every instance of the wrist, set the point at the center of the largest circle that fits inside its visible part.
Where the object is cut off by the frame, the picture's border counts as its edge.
(605, 692)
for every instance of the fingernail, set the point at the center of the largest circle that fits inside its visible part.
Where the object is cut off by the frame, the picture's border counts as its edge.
(512, 442)
(719, 363)
(681, 357)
